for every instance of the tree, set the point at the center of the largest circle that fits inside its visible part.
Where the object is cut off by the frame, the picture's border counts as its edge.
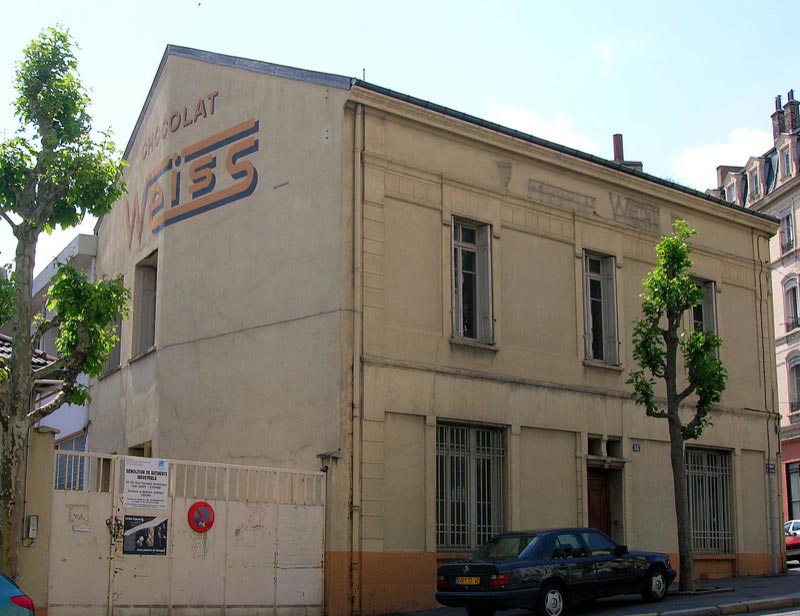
(657, 338)
(52, 173)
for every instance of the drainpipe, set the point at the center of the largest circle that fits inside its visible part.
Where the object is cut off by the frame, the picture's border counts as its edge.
(356, 405)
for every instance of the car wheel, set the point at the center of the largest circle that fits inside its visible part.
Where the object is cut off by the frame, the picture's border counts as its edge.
(551, 601)
(481, 611)
(654, 587)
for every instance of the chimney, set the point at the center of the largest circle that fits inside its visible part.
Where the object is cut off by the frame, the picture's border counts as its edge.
(778, 121)
(618, 155)
(791, 112)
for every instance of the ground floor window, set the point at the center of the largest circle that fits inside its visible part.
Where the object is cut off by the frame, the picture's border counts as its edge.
(793, 489)
(71, 470)
(469, 485)
(710, 497)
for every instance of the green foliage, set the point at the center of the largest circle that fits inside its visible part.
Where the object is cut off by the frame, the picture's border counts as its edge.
(54, 171)
(87, 315)
(670, 292)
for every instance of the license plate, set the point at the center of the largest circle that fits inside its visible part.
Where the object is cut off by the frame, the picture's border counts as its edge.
(468, 581)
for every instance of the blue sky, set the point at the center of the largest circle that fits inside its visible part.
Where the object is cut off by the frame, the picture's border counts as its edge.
(690, 84)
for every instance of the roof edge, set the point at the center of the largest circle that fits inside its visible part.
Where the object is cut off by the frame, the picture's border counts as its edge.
(562, 149)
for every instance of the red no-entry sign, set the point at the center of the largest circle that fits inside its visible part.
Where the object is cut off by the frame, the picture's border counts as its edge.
(201, 517)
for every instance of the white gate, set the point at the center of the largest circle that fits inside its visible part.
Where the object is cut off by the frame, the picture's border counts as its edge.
(263, 555)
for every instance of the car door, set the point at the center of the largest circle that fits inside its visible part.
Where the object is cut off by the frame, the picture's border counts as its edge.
(570, 560)
(615, 573)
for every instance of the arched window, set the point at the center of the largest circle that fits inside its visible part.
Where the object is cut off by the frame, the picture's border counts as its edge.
(790, 304)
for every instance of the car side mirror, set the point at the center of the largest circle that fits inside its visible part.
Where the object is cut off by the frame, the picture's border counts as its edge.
(620, 550)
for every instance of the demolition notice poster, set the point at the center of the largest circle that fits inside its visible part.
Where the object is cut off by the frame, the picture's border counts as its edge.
(144, 535)
(146, 483)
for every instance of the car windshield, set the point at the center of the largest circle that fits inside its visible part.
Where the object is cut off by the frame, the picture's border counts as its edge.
(504, 548)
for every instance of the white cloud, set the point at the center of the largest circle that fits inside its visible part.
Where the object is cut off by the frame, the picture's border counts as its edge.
(558, 129)
(697, 166)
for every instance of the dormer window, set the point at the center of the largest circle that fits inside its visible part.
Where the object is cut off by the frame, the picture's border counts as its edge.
(786, 162)
(755, 188)
(732, 192)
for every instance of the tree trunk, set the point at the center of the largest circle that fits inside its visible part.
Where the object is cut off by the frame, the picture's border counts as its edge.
(20, 387)
(678, 459)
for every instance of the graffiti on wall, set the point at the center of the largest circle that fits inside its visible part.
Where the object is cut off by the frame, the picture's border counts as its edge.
(207, 174)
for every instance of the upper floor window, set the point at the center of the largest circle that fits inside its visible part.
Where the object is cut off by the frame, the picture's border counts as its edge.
(472, 281)
(145, 304)
(790, 304)
(786, 162)
(732, 193)
(600, 308)
(794, 383)
(787, 232)
(703, 314)
(755, 188)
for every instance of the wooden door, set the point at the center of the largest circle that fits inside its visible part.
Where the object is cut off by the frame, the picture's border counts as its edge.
(600, 500)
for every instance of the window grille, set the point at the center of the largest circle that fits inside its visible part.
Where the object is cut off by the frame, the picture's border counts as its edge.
(469, 485)
(71, 470)
(709, 482)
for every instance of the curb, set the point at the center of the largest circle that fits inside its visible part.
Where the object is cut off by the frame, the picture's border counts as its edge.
(747, 607)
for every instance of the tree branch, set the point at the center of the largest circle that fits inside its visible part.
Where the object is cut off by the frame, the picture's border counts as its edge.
(8, 220)
(686, 393)
(56, 403)
(50, 369)
(41, 329)
(653, 412)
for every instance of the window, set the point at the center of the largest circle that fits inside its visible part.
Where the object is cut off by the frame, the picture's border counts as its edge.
(793, 364)
(469, 485)
(113, 360)
(472, 281)
(732, 193)
(790, 305)
(71, 469)
(787, 233)
(599, 545)
(568, 545)
(145, 304)
(703, 317)
(600, 308)
(793, 494)
(755, 189)
(709, 481)
(786, 157)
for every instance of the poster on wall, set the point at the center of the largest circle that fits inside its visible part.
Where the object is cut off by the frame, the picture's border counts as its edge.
(144, 534)
(146, 483)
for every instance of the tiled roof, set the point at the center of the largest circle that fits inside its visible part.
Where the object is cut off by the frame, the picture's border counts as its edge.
(40, 358)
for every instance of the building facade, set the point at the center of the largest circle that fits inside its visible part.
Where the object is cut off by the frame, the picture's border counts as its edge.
(770, 183)
(434, 309)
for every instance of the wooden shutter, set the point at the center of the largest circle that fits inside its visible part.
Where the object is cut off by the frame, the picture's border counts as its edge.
(484, 244)
(610, 311)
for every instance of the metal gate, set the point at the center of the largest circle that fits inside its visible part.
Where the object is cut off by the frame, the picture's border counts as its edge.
(263, 555)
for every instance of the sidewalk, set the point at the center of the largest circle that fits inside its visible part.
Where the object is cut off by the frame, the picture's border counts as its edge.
(741, 595)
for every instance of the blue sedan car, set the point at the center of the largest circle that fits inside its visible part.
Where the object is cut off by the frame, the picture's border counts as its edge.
(547, 570)
(13, 602)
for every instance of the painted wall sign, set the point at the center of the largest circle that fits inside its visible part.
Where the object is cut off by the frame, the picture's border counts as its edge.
(146, 483)
(144, 534)
(205, 175)
(201, 517)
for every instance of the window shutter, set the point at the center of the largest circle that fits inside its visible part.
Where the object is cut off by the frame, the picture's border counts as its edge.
(610, 311)
(484, 244)
(709, 318)
(587, 313)
(147, 310)
(455, 284)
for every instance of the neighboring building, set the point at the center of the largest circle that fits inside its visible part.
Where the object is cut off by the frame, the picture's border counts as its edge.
(435, 309)
(770, 183)
(71, 421)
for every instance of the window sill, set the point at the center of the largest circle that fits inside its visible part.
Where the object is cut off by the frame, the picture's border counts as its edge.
(593, 363)
(474, 344)
(109, 373)
(136, 358)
